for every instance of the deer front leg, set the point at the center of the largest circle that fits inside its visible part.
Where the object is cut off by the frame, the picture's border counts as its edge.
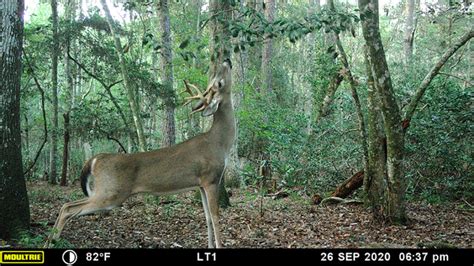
(210, 232)
(212, 195)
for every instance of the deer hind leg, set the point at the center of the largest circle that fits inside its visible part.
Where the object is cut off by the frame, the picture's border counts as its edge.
(205, 204)
(79, 208)
(212, 201)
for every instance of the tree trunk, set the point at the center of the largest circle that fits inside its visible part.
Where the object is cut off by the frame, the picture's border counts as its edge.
(394, 210)
(266, 82)
(14, 211)
(194, 121)
(267, 52)
(376, 175)
(127, 82)
(409, 31)
(65, 149)
(70, 9)
(329, 97)
(220, 50)
(54, 81)
(168, 130)
(355, 96)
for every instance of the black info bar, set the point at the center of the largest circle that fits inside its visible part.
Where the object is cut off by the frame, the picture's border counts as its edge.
(238, 256)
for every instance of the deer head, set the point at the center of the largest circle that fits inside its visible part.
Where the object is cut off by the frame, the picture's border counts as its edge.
(215, 93)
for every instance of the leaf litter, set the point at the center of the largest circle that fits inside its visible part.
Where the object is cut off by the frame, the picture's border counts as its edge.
(146, 221)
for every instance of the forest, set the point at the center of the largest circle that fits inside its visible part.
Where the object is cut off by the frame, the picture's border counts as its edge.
(286, 124)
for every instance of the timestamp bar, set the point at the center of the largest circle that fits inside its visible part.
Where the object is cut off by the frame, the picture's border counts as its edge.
(291, 257)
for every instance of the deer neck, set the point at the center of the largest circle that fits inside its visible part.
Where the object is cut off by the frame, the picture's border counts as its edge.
(223, 126)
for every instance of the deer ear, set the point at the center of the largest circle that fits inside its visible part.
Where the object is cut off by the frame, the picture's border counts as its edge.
(213, 106)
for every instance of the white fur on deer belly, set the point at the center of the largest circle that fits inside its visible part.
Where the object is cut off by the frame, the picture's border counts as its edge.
(171, 192)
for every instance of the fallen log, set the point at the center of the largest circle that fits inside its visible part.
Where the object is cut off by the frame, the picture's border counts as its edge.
(349, 186)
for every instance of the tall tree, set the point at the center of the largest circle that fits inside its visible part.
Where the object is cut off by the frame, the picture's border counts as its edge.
(54, 82)
(394, 202)
(409, 31)
(70, 11)
(126, 79)
(14, 211)
(169, 128)
(267, 52)
(375, 171)
(220, 10)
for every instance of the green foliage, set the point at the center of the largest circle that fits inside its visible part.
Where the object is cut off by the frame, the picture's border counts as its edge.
(441, 132)
(252, 26)
(28, 241)
(271, 128)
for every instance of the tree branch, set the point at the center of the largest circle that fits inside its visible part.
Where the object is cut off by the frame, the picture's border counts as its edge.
(432, 74)
(107, 88)
(456, 77)
(45, 124)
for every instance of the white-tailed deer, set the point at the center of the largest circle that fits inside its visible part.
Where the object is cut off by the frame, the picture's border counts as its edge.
(196, 163)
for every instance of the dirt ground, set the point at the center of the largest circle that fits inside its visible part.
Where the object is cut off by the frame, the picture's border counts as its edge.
(146, 221)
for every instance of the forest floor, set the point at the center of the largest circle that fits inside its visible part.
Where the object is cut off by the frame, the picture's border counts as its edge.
(146, 221)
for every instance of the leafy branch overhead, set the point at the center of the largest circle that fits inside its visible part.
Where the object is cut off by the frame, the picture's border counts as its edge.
(251, 27)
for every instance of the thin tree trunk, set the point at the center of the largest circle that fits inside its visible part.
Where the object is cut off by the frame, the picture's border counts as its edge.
(54, 81)
(220, 50)
(169, 127)
(43, 111)
(394, 210)
(409, 31)
(65, 149)
(329, 97)
(194, 121)
(255, 52)
(266, 82)
(70, 8)
(267, 52)
(353, 85)
(127, 82)
(14, 211)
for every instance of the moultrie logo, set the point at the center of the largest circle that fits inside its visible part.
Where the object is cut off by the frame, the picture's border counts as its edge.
(21, 257)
